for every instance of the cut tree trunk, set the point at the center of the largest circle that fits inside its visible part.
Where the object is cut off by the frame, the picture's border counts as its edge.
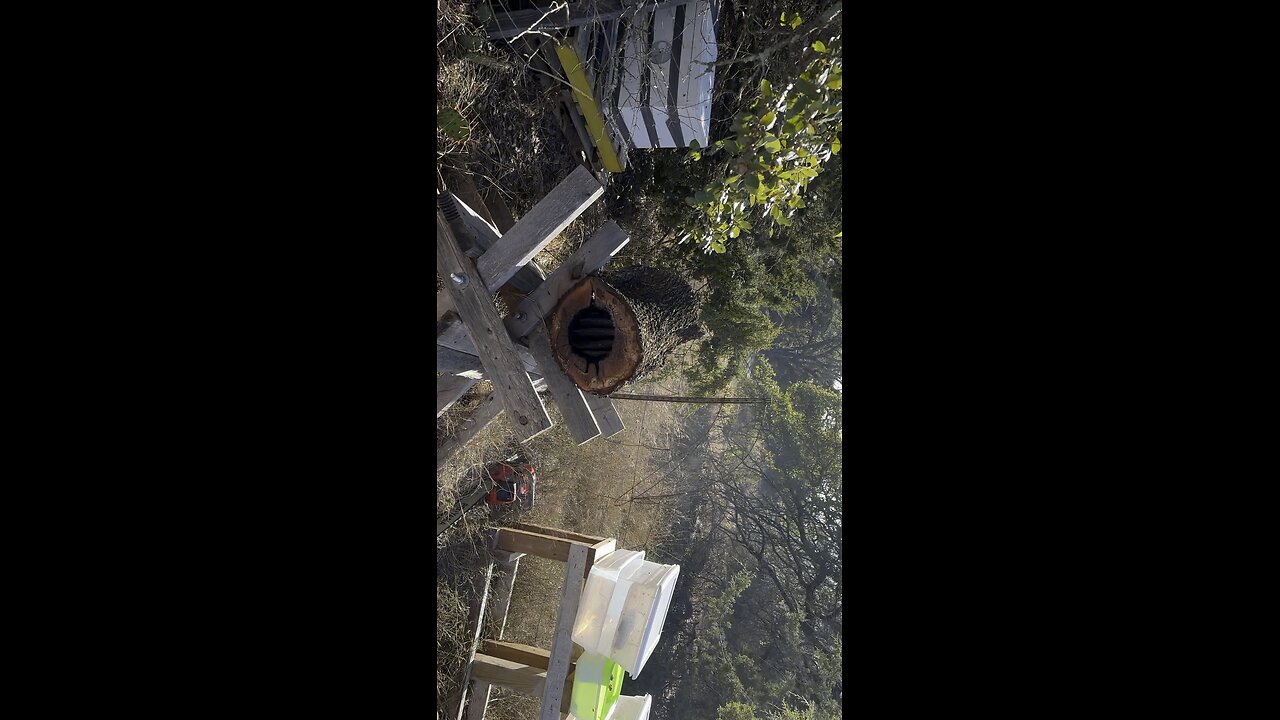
(618, 326)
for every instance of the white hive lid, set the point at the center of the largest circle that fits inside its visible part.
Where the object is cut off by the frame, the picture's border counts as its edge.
(662, 577)
(631, 707)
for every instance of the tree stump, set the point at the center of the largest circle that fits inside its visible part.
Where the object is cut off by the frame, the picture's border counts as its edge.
(619, 326)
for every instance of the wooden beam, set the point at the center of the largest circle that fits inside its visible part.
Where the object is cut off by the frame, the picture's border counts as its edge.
(573, 407)
(448, 389)
(515, 676)
(606, 415)
(454, 336)
(543, 223)
(557, 532)
(544, 546)
(476, 620)
(502, 592)
(562, 642)
(517, 653)
(593, 255)
(497, 352)
(528, 278)
(553, 543)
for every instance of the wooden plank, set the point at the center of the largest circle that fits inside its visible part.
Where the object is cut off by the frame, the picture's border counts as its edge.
(454, 336)
(502, 592)
(481, 586)
(552, 214)
(448, 389)
(606, 415)
(456, 362)
(444, 304)
(573, 407)
(593, 255)
(485, 235)
(518, 677)
(557, 532)
(544, 546)
(562, 643)
(497, 352)
(517, 652)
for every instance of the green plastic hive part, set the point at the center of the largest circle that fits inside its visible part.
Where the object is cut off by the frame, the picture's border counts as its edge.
(596, 687)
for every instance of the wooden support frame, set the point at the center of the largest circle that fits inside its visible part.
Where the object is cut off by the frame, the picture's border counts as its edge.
(532, 670)
(504, 258)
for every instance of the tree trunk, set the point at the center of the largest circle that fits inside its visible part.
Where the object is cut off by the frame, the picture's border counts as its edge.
(619, 326)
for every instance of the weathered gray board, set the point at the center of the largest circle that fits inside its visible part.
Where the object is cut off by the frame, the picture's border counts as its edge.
(497, 351)
(539, 226)
(527, 278)
(562, 643)
(573, 406)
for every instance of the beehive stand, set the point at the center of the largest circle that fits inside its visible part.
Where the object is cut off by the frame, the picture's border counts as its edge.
(472, 341)
(525, 669)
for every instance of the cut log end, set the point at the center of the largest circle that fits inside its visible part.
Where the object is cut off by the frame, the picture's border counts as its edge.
(595, 337)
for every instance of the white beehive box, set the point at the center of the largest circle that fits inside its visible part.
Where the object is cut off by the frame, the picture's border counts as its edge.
(630, 707)
(665, 70)
(623, 608)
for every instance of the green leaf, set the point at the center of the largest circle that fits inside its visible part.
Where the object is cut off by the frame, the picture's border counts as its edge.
(784, 17)
(834, 83)
(695, 155)
(840, 234)
(835, 146)
(768, 119)
(819, 47)
(795, 22)
(694, 144)
(717, 246)
(735, 232)
(773, 145)
(453, 124)
(753, 182)
(483, 13)
(766, 89)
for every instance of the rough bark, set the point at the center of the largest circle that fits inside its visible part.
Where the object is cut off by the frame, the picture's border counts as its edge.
(620, 326)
